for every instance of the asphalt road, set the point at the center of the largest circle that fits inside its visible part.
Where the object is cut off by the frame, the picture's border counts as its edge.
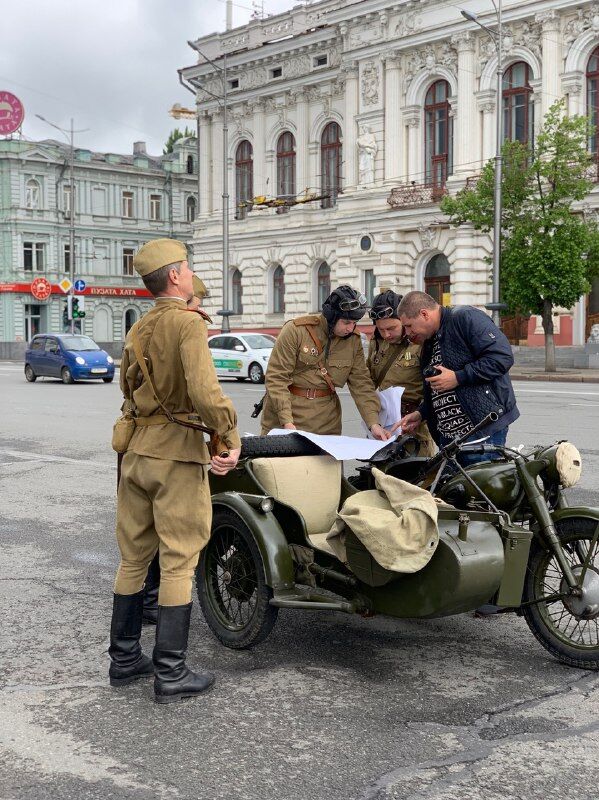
(330, 707)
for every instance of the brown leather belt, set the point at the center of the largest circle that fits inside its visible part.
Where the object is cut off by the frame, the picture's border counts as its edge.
(162, 419)
(309, 394)
(409, 406)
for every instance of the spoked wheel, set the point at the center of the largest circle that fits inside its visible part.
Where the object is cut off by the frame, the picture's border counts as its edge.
(232, 586)
(568, 628)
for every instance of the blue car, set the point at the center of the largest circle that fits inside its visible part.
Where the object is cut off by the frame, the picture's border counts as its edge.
(70, 357)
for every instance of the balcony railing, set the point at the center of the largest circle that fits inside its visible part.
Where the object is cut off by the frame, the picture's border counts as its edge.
(411, 195)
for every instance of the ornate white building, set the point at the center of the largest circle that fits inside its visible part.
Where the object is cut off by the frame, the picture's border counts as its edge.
(381, 107)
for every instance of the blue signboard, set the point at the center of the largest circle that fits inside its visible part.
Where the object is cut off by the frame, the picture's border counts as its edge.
(79, 286)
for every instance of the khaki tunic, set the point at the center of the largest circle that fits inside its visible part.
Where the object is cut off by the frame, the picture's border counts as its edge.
(164, 496)
(294, 361)
(404, 371)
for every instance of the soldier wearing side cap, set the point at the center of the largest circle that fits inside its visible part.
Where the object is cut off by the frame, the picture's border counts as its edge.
(152, 584)
(168, 381)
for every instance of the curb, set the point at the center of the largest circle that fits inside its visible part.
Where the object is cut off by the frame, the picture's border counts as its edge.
(556, 377)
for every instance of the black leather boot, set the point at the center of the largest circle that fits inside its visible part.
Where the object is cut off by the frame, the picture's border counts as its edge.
(127, 662)
(173, 680)
(151, 588)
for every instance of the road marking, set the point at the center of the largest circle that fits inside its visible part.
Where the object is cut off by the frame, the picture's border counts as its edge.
(24, 455)
(556, 391)
(585, 405)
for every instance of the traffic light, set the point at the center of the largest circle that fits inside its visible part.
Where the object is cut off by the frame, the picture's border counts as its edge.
(77, 307)
(65, 314)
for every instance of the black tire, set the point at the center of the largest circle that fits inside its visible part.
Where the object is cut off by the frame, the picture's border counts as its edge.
(231, 584)
(66, 375)
(108, 380)
(278, 446)
(30, 374)
(551, 622)
(256, 373)
(241, 379)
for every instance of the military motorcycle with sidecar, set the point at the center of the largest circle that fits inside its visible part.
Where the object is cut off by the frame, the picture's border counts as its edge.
(508, 542)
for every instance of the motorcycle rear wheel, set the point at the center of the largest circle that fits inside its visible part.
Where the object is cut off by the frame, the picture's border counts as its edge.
(564, 628)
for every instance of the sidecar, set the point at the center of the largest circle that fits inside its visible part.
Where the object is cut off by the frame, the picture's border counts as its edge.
(269, 550)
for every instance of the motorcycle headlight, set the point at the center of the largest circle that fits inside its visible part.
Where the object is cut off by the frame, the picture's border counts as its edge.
(80, 360)
(568, 462)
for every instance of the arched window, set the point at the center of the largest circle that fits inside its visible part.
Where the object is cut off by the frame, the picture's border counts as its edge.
(130, 319)
(190, 169)
(330, 163)
(244, 167)
(438, 135)
(593, 97)
(436, 278)
(518, 108)
(32, 194)
(286, 165)
(237, 293)
(278, 290)
(190, 208)
(323, 278)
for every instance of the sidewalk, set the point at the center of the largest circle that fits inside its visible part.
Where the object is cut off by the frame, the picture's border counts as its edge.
(520, 373)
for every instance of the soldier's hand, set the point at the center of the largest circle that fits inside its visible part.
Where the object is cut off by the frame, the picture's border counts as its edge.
(409, 423)
(380, 433)
(220, 466)
(289, 426)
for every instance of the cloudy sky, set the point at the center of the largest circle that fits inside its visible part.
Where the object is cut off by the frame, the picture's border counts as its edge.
(109, 64)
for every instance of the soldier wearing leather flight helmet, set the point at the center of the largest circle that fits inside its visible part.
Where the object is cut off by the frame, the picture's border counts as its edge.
(168, 381)
(313, 357)
(395, 361)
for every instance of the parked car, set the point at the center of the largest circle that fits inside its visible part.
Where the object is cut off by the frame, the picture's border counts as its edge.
(241, 355)
(70, 357)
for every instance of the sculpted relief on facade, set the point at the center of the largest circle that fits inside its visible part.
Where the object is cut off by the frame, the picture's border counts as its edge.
(430, 59)
(370, 84)
(584, 19)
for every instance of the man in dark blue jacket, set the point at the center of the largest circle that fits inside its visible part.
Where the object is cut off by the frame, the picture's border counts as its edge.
(472, 358)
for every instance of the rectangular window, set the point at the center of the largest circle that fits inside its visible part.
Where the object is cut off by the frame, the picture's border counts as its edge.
(128, 253)
(127, 205)
(33, 317)
(33, 256)
(234, 84)
(320, 61)
(67, 257)
(277, 72)
(66, 199)
(155, 207)
(99, 201)
(369, 284)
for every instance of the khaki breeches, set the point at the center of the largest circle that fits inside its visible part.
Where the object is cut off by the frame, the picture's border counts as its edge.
(162, 506)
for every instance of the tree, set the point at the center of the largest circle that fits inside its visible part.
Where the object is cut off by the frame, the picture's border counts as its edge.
(549, 251)
(174, 136)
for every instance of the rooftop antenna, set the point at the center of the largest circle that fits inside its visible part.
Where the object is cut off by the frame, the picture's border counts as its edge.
(258, 9)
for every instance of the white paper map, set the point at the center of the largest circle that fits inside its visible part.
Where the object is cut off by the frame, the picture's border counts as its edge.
(342, 448)
(390, 412)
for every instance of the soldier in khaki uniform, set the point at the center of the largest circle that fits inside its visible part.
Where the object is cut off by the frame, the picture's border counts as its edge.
(313, 357)
(164, 498)
(394, 361)
(152, 584)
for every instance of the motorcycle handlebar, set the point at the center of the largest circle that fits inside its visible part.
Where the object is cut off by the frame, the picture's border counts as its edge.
(452, 448)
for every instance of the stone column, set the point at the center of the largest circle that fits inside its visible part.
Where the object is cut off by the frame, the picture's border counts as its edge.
(415, 147)
(350, 176)
(259, 146)
(393, 124)
(205, 198)
(572, 86)
(217, 162)
(469, 272)
(465, 133)
(302, 177)
(486, 106)
(550, 42)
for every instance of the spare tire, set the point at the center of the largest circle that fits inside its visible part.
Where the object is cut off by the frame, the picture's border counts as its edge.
(278, 446)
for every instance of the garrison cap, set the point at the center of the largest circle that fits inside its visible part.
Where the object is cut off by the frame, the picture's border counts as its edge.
(199, 288)
(158, 253)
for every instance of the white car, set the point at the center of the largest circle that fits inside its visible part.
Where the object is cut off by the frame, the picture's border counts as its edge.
(241, 355)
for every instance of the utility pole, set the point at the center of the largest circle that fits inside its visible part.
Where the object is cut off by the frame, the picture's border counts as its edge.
(495, 306)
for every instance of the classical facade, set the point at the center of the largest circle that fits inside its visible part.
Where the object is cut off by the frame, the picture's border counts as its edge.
(377, 108)
(121, 201)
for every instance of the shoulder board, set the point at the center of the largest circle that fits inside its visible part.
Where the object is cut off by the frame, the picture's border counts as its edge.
(310, 319)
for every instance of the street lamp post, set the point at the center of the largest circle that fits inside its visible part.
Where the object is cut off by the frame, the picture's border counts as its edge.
(223, 101)
(70, 135)
(495, 306)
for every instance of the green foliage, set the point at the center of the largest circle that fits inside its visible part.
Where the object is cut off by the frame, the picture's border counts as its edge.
(174, 136)
(550, 252)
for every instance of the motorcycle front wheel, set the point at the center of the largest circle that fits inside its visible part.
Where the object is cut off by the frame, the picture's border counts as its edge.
(567, 628)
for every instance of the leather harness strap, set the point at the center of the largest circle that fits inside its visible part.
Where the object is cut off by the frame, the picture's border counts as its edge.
(321, 366)
(385, 368)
